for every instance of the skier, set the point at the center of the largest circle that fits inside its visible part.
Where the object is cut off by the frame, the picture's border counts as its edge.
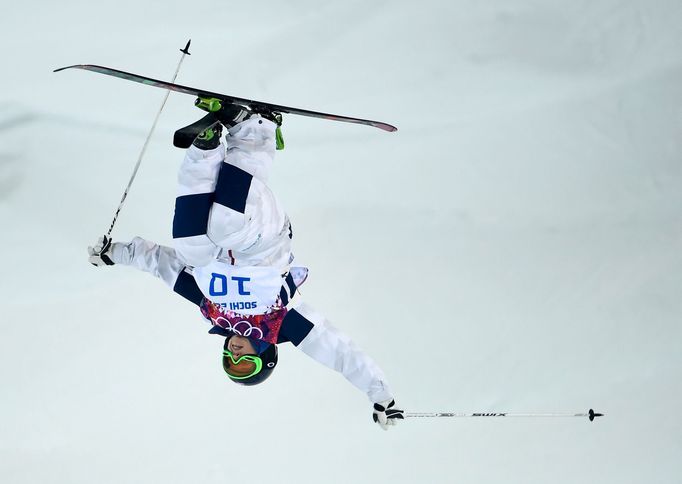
(232, 258)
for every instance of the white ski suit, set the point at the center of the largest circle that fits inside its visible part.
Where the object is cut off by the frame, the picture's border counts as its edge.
(232, 255)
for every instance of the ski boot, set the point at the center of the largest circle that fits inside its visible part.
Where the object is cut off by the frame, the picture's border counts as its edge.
(231, 114)
(276, 118)
(209, 138)
(228, 114)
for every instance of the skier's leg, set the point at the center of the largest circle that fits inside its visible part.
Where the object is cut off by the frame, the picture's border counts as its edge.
(215, 190)
(251, 146)
(196, 184)
(241, 183)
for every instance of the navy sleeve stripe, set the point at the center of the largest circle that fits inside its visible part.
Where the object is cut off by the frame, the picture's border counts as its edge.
(187, 287)
(284, 296)
(294, 328)
(232, 187)
(191, 215)
(290, 283)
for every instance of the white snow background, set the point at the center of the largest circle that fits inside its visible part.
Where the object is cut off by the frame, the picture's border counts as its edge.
(515, 246)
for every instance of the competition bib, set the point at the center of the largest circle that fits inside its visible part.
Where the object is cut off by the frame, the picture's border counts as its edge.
(249, 301)
(245, 290)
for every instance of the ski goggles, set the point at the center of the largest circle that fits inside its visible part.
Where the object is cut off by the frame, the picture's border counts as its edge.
(243, 367)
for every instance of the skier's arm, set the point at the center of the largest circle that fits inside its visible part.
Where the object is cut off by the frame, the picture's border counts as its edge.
(160, 261)
(317, 338)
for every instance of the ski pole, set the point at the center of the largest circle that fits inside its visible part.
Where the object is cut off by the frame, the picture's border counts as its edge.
(185, 52)
(591, 414)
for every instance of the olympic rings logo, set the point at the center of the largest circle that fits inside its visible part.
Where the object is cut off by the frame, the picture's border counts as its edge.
(242, 328)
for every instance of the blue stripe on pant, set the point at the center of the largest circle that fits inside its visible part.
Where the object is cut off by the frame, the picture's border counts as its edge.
(192, 212)
(232, 188)
(191, 215)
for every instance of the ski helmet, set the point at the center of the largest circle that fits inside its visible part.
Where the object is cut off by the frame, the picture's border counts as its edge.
(250, 369)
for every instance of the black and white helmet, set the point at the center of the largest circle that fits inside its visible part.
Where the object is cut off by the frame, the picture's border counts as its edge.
(250, 369)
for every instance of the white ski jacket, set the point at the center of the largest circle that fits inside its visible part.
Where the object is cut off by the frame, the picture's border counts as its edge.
(307, 329)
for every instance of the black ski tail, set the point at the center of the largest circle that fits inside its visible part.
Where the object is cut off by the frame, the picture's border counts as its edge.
(184, 137)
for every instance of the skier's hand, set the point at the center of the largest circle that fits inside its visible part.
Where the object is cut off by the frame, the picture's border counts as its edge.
(386, 414)
(99, 254)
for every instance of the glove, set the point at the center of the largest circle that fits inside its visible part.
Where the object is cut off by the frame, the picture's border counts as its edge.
(99, 254)
(385, 415)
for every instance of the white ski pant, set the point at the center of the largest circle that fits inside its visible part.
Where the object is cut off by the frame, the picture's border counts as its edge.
(223, 207)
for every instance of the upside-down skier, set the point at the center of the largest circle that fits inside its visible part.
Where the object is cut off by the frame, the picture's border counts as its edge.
(231, 257)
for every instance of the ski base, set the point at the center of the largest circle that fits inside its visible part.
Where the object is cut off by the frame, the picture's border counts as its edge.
(183, 135)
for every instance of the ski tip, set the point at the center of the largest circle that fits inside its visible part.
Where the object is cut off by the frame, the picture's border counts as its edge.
(63, 68)
(386, 127)
(86, 67)
(186, 49)
(592, 415)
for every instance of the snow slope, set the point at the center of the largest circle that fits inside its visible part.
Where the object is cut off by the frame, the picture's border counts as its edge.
(515, 246)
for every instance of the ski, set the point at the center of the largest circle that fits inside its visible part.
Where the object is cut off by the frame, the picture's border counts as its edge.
(184, 137)
(185, 134)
